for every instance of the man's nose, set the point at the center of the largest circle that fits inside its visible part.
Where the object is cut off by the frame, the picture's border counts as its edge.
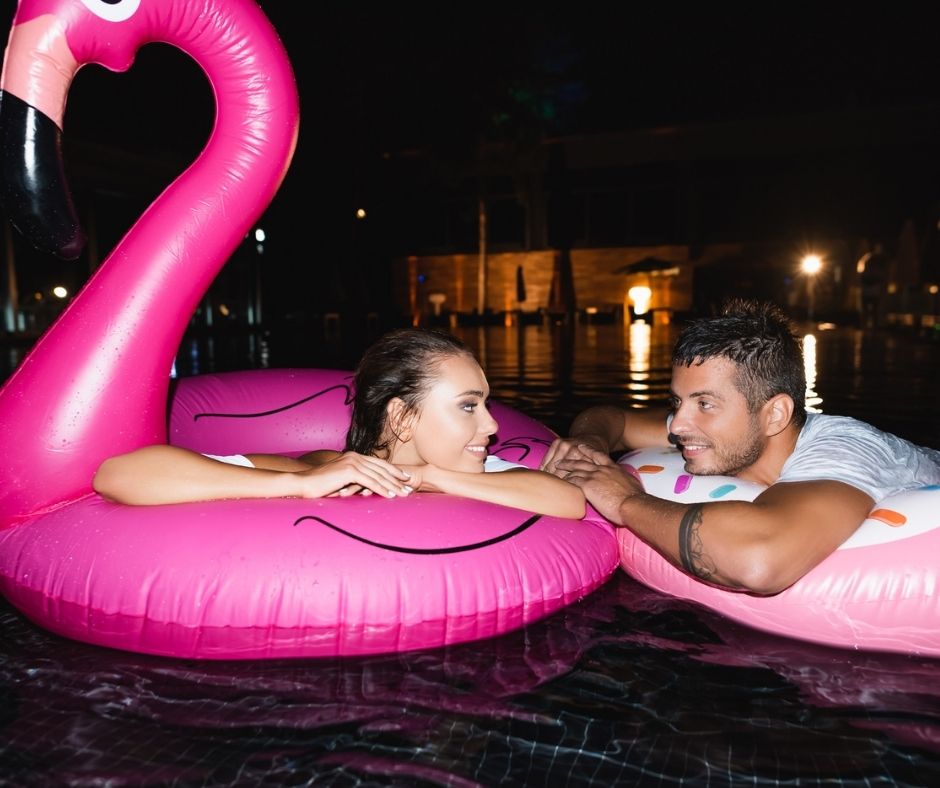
(681, 416)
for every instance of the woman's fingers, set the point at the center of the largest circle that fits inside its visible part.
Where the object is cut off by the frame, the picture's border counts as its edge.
(352, 474)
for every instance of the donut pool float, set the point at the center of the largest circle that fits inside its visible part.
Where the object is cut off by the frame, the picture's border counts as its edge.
(879, 591)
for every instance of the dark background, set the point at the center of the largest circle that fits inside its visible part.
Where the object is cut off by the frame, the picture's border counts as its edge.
(379, 82)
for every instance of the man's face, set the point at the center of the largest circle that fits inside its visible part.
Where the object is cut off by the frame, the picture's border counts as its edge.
(716, 432)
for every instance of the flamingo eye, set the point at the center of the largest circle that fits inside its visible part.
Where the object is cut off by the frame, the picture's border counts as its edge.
(112, 10)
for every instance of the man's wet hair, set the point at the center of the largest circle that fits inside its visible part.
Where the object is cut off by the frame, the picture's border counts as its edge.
(759, 338)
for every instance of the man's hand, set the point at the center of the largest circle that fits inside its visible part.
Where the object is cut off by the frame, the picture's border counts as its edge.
(605, 484)
(566, 449)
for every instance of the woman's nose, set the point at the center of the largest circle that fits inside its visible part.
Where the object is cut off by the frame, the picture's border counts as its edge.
(488, 424)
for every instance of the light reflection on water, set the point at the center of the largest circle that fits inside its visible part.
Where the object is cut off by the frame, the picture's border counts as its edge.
(813, 400)
(626, 687)
(554, 371)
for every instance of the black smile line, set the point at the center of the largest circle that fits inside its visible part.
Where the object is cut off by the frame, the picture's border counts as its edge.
(430, 550)
(347, 400)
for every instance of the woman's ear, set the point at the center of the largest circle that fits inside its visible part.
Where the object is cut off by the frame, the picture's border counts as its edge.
(398, 419)
(778, 413)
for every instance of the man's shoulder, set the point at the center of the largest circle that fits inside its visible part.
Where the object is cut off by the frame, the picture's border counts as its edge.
(819, 425)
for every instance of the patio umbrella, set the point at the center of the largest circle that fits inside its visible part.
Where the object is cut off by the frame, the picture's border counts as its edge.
(649, 265)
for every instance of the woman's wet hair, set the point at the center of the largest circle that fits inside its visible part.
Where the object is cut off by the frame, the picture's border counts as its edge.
(404, 363)
(759, 338)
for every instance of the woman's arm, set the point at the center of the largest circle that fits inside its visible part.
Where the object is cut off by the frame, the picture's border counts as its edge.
(169, 474)
(522, 488)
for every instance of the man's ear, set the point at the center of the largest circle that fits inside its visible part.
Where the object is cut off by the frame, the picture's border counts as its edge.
(778, 412)
(398, 420)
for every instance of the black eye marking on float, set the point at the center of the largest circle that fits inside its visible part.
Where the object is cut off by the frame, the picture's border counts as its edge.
(346, 400)
(426, 550)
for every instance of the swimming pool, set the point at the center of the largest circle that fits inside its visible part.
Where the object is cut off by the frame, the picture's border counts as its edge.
(626, 687)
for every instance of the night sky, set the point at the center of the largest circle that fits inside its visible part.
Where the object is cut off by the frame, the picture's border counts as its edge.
(375, 80)
(387, 78)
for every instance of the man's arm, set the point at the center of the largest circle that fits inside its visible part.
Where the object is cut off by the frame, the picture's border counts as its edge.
(608, 429)
(761, 546)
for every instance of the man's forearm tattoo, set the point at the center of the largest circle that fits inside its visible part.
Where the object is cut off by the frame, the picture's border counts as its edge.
(691, 550)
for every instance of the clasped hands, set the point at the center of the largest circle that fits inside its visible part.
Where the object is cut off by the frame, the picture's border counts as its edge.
(605, 484)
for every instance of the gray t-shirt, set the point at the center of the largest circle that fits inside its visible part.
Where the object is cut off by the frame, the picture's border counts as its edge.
(843, 449)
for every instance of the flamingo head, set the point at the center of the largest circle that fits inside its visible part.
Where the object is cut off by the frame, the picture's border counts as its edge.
(50, 40)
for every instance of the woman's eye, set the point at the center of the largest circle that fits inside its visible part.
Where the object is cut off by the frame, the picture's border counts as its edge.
(469, 406)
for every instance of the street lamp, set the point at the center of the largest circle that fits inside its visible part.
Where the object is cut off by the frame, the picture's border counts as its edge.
(811, 265)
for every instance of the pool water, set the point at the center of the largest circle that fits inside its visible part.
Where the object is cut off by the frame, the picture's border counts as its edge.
(625, 687)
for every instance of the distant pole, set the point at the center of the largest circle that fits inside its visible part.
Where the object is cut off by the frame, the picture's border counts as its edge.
(481, 270)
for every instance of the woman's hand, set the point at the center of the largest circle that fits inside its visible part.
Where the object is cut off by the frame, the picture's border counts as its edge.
(349, 474)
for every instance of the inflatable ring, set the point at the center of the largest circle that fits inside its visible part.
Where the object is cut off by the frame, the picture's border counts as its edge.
(290, 577)
(879, 591)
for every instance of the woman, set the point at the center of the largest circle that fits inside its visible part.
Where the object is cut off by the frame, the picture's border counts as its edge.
(419, 423)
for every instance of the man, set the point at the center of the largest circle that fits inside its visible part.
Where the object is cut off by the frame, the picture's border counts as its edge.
(737, 409)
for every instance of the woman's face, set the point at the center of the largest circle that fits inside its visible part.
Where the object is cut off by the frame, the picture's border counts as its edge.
(452, 427)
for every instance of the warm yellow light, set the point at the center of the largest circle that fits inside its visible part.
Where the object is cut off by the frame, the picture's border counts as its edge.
(933, 289)
(640, 298)
(360, 213)
(59, 292)
(813, 400)
(811, 264)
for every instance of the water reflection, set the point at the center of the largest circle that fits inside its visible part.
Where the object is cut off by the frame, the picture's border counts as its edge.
(813, 400)
(626, 687)
(640, 335)
(553, 371)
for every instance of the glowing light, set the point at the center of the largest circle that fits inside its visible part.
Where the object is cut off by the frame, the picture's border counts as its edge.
(360, 213)
(59, 292)
(933, 289)
(813, 400)
(260, 236)
(811, 264)
(640, 336)
(640, 298)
